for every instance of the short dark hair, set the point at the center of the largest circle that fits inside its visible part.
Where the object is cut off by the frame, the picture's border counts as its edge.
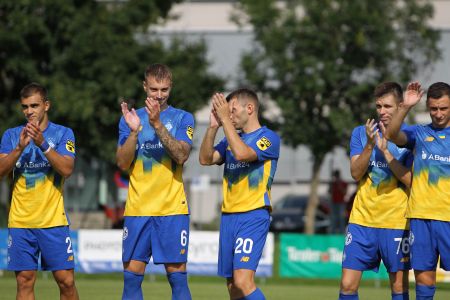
(389, 88)
(33, 88)
(161, 72)
(438, 90)
(245, 93)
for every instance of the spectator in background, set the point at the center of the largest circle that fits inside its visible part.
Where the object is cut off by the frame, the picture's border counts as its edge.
(338, 189)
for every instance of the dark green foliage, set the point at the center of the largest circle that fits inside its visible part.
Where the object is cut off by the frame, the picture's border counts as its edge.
(85, 52)
(320, 60)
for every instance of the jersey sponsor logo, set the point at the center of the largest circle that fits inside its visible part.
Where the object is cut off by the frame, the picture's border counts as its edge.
(70, 146)
(379, 164)
(436, 157)
(190, 132)
(241, 164)
(263, 143)
(33, 165)
(148, 146)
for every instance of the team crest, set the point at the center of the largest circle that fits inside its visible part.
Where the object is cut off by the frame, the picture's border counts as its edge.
(168, 126)
(190, 132)
(429, 139)
(411, 238)
(263, 143)
(70, 146)
(125, 233)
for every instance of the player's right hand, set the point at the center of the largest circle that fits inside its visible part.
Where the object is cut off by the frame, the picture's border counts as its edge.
(214, 121)
(130, 117)
(24, 139)
(371, 131)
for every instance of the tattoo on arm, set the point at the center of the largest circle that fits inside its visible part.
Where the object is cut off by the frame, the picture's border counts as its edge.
(178, 150)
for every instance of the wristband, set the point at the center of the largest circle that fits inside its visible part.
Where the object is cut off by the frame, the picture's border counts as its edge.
(45, 147)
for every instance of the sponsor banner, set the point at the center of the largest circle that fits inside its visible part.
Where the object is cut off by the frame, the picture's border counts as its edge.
(99, 251)
(100, 245)
(315, 256)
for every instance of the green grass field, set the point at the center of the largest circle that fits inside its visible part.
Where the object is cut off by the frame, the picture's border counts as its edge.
(107, 287)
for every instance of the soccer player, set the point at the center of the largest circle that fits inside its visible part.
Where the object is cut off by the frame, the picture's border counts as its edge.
(429, 202)
(377, 227)
(250, 157)
(40, 156)
(154, 143)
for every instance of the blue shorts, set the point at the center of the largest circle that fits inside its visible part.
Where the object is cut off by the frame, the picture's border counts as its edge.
(242, 239)
(429, 240)
(165, 238)
(365, 247)
(52, 244)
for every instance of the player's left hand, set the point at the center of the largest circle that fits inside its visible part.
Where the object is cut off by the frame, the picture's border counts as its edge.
(34, 132)
(153, 110)
(220, 107)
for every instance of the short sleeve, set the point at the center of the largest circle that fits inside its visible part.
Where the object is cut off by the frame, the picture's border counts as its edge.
(409, 159)
(221, 147)
(356, 145)
(410, 132)
(124, 132)
(66, 145)
(267, 146)
(185, 131)
(6, 146)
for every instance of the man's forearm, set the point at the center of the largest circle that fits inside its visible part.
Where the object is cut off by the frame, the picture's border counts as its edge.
(8, 162)
(238, 147)
(401, 172)
(393, 130)
(61, 164)
(125, 153)
(359, 166)
(206, 155)
(177, 150)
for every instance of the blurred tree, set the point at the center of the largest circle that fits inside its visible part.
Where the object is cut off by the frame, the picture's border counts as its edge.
(320, 61)
(88, 55)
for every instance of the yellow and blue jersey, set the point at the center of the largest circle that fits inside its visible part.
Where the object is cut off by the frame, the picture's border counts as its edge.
(37, 194)
(246, 185)
(430, 191)
(381, 199)
(156, 184)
